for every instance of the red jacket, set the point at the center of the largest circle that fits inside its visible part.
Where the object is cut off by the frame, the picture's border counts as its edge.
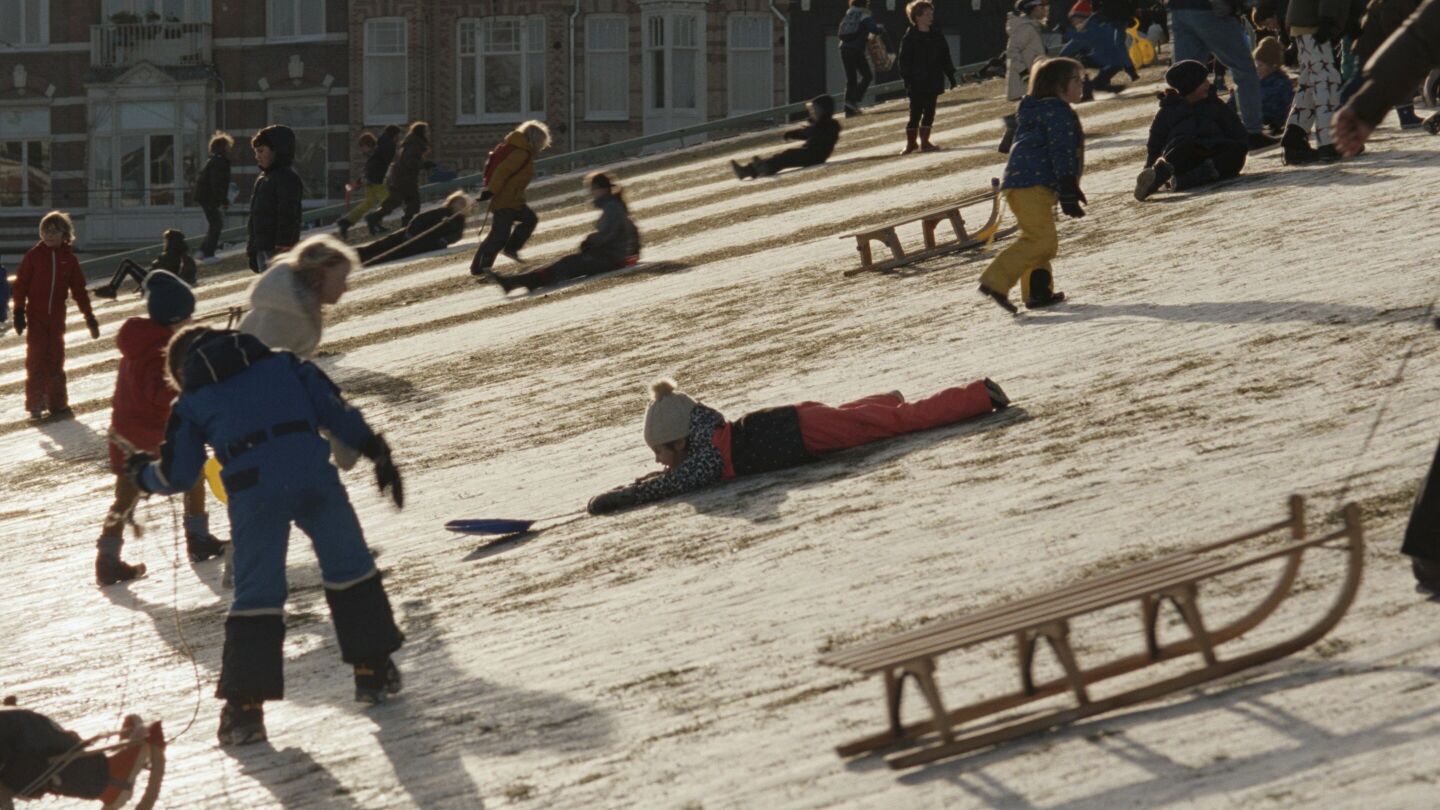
(141, 405)
(45, 276)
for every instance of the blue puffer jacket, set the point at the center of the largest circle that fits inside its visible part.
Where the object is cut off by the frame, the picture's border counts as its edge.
(260, 411)
(1105, 43)
(1209, 123)
(1049, 144)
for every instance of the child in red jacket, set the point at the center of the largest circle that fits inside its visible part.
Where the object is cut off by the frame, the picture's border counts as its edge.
(140, 410)
(698, 447)
(48, 273)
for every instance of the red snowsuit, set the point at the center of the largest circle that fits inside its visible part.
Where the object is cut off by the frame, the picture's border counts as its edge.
(141, 405)
(45, 278)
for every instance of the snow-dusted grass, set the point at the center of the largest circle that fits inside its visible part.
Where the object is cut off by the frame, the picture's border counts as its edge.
(1221, 352)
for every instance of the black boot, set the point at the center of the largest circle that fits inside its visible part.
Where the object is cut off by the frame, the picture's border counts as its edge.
(1295, 147)
(202, 547)
(1042, 290)
(1201, 175)
(372, 221)
(242, 723)
(106, 291)
(110, 569)
(1001, 299)
(1009, 137)
(1427, 574)
(374, 682)
(342, 227)
(997, 395)
(1432, 123)
(1152, 179)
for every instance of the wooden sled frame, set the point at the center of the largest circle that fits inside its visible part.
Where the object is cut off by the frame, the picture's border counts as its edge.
(929, 221)
(146, 736)
(1173, 578)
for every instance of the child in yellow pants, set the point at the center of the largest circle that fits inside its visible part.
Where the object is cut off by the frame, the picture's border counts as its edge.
(1046, 161)
(378, 154)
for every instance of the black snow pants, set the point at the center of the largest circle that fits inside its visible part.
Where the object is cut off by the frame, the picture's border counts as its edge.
(858, 74)
(1422, 536)
(214, 223)
(1228, 159)
(402, 243)
(576, 265)
(796, 158)
(510, 229)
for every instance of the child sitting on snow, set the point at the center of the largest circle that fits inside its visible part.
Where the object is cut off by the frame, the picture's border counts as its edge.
(174, 258)
(1101, 42)
(139, 411)
(1277, 92)
(614, 244)
(820, 136)
(698, 447)
(1195, 138)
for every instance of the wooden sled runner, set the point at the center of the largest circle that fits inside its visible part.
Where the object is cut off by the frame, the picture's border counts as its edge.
(929, 221)
(139, 746)
(1175, 578)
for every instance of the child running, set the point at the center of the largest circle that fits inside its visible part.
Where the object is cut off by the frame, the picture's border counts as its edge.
(820, 135)
(261, 411)
(49, 274)
(512, 221)
(212, 193)
(698, 447)
(614, 244)
(139, 411)
(1195, 139)
(402, 179)
(378, 154)
(174, 258)
(1045, 165)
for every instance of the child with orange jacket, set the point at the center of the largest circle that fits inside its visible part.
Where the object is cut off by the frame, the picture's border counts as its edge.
(49, 274)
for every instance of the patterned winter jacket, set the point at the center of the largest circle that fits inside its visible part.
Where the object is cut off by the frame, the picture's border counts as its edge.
(1277, 93)
(1049, 144)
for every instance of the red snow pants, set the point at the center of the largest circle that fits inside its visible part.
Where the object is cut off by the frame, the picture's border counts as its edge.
(45, 367)
(826, 430)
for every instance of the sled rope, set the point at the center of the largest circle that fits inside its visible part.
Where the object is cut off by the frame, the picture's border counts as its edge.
(446, 221)
(189, 651)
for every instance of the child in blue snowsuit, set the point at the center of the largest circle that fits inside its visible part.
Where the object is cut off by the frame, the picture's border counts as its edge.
(1102, 43)
(261, 411)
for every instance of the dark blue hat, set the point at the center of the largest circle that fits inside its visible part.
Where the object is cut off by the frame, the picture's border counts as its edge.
(1186, 75)
(168, 299)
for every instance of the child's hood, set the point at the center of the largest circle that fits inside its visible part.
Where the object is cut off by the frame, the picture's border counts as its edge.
(139, 336)
(518, 140)
(1033, 109)
(218, 355)
(280, 290)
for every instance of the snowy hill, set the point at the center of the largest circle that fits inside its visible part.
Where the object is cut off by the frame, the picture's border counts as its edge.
(1221, 351)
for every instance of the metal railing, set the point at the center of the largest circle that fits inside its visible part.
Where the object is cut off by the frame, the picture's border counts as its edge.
(159, 43)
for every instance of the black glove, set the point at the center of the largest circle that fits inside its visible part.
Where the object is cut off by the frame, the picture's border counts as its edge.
(953, 83)
(1071, 197)
(19, 321)
(612, 501)
(486, 194)
(134, 463)
(93, 325)
(387, 477)
(1325, 31)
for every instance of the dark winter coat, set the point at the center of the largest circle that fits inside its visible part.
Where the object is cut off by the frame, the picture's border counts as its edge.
(1309, 13)
(378, 164)
(452, 232)
(45, 279)
(820, 134)
(405, 171)
(615, 238)
(212, 189)
(1400, 65)
(925, 63)
(140, 406)
(179, 262)
(27, 742)
(260, 410)
(1049, 144)
(275, 202)
(856, 27)
(1103, 42)
(1382, 18)
(1209, 123)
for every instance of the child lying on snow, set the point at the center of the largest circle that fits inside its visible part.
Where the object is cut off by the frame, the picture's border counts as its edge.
(31, 745)
(820, 135)
(698, 447)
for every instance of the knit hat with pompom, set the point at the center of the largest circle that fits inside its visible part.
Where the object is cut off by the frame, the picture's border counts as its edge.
(668, 417)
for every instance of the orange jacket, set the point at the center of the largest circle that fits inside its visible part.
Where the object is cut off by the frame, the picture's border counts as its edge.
(45, 279)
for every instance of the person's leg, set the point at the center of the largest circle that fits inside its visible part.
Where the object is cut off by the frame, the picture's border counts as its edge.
(1185, 157)
(1185, 41)
(1302, 111)
(825, 429)
(525, 223)
(382, 246)
(215, 223)
(1326, 95)
(1229, 160)
(912, 124)
(853, 93)
(789, 159)
(1102, 79)
(57, 392)
(501, 223)
(1036, 244)
(252, 668)
(1422, 534)
(412, 205)
(109, 567)
(1226, 39)
(36, 372)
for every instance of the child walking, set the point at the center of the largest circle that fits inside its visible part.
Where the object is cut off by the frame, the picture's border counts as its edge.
(174, 258)
(276, 200)
(614, 243)
(1045, 166)
(1025, 43)
(212, 193)
(139, 410)
(262, 412)
(1195, 138)
(697, 447)
(402, 180)
(1315, 25)
(49, 274)
(512, 222)
(925, 67)
(820, 136)
(379, 153)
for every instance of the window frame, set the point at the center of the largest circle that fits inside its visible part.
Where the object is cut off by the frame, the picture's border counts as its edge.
(526, 51)
(183, 143)
(196, 11)
(44, 38)
(298, 36)
(591, 113)
(669, 45)
(368, 90)
(732, 81)
(26, 201)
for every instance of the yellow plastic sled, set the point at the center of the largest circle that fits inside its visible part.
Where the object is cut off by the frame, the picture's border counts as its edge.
(212, 477)
(1142, 50)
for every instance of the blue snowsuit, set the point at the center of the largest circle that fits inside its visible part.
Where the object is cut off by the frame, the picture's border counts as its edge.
(1106, 46)
(260, 410)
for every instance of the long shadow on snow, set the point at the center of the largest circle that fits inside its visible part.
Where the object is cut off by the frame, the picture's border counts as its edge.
(1227, 312)
(758, 498)
(71, 440)
(1172, 781)
(444, 714)
(293, 777)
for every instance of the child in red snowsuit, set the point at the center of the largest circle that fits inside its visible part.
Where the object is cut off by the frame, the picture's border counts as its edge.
(698, 447)
(140, 410)
(48, 273)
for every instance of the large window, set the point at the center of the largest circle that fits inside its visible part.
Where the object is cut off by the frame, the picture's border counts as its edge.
(145, 153)
(607, 67)
(672, 54)
(190, 11)
(752, 63)
(502, 69)
(308, 118)
(24, 158)
(24, 22)
(296, 18)
(385, 71)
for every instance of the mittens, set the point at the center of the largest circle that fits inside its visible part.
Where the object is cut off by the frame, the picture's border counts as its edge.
(612, 501)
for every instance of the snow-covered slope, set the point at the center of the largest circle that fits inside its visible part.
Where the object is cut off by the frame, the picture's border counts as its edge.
(1222, 351)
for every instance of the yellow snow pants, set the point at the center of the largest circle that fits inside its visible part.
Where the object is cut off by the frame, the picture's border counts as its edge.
(1033, 249)
(375, 194)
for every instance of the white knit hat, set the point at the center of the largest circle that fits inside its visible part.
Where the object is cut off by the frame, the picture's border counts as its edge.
(668, 417)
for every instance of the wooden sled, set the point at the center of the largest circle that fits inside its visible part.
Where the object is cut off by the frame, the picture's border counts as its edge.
(929, 221)
(1175, 578)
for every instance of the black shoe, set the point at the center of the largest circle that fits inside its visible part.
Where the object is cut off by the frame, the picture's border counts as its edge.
(1152, 178)
(202, 547)
(1427, 574)
(107, 291)
(1432, 124)
(37, 416)
(376, 682)
(110, 569)
(1327, 153)
(740, 171)
(997, 396)
(242, 723)
(496, 278)
(342, 227)
(512, 255)
(1042, 301)
(1296, 146)
(999, 298)
(63, 412)
(1259, 140)
(373, 223)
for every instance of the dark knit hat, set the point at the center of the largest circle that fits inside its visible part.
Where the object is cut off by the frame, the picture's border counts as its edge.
(1270, 52)
(823, 104)
(168, 299)
(1186, 75)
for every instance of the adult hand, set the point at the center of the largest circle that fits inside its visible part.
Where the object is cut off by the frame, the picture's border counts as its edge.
(612, 501)
(1349, 132)
(19, 321)
(93, 325)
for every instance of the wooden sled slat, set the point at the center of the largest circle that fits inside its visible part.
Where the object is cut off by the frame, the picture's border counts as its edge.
(886, 234)
(1175, 578)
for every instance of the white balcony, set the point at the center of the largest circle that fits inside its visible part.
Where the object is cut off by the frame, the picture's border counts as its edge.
(165, 44)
